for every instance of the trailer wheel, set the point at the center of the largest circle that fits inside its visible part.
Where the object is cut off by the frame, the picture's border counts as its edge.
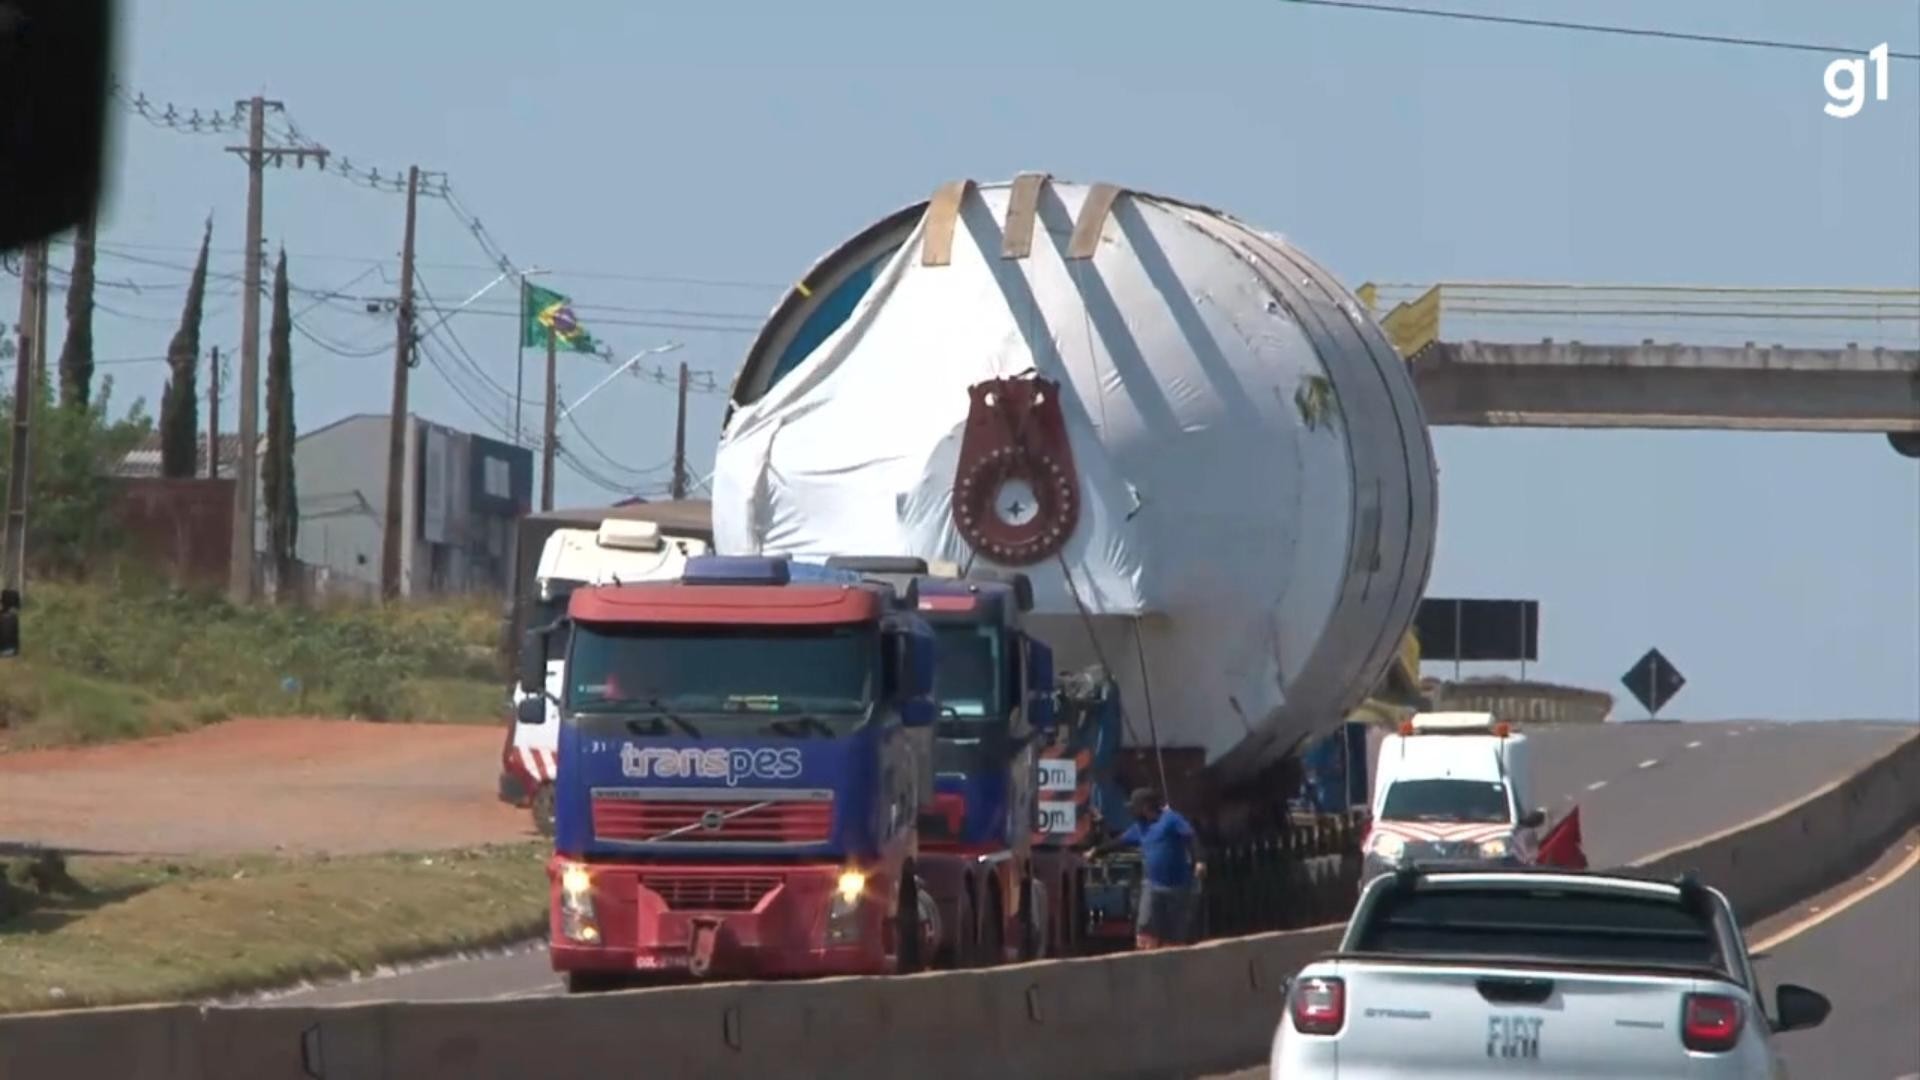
(906, 925)
(542, 803)
(1033, 915)
(992, 951)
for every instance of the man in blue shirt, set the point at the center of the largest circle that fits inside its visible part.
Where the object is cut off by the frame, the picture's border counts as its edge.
(1170, 850)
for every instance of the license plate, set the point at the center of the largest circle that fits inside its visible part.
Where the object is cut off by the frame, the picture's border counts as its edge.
(657, 962)
(1513, 1036)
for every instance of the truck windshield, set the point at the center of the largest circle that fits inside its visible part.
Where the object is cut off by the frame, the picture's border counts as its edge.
(969, 672)
(1446, 800)
(1574, 926)
(830, 671)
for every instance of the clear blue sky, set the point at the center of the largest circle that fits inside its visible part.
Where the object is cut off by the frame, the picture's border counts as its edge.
(625, 144)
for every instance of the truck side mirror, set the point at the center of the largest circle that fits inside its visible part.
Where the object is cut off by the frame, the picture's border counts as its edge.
(533, 666)
(532, 709)
(1533, 819)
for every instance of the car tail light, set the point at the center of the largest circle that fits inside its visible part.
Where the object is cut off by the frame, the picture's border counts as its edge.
(1319, 1005)
(1711, 1022)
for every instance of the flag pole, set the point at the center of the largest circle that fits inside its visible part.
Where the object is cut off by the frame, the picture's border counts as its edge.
(520, 362)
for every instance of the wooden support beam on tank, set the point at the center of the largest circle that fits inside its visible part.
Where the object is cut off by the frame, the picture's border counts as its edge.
(1093, 220)
(1016, 242)
(943, 213)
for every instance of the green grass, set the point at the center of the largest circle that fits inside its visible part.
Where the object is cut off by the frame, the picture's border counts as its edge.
(103, 663)
(122, 931)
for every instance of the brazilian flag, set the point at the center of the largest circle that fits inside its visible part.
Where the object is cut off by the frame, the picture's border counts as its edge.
(547, 312)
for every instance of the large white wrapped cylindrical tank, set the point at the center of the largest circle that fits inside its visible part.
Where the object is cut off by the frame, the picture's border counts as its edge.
(1204, 453)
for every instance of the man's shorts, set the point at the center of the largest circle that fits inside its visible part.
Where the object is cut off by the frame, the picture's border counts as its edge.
(1165, 912)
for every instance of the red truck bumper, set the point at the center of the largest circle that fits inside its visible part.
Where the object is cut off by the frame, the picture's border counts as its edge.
(736, 921)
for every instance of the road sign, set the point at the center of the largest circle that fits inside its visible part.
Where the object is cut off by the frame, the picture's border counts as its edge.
(1653, 681)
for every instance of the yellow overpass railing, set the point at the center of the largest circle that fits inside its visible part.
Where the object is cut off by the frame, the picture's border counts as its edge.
(1414, 313)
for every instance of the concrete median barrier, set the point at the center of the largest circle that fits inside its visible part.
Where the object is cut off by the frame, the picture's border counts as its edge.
(1768, 864)
(1171, 1013)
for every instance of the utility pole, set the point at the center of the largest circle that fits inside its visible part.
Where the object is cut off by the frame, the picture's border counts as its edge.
(213, 415)
(40, 334)
(547, 446)
(257, 155)
(397, 420)
(680, 440)
(14, 572)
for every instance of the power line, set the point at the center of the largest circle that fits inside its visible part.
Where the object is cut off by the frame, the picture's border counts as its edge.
(556, 271)
(1591, 28)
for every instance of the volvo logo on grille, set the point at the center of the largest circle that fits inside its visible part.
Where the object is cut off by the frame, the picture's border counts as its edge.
(712, 820)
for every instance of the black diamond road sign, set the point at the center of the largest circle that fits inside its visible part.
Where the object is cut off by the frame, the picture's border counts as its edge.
(1653, 681)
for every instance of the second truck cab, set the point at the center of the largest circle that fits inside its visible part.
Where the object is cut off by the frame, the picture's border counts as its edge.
(1452, 787)
(993, 685)
(744, 754)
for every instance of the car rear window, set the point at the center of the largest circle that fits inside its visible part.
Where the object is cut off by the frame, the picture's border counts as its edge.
(1542, 923)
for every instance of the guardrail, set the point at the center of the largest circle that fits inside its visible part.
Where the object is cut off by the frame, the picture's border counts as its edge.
(1812, 317)
(1173, 1012)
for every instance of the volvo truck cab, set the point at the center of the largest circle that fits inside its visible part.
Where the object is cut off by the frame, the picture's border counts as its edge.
(744, 754)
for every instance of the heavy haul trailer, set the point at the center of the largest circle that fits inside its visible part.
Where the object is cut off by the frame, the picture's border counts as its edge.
(744, 754)
(1199, 446)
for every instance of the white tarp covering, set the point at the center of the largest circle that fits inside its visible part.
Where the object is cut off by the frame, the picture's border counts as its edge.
(1213, 541)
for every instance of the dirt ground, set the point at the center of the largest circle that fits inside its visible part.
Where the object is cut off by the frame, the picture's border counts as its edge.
(265, 785)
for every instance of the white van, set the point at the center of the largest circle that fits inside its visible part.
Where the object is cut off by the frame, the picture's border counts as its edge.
(1452, 787)
(620, 552)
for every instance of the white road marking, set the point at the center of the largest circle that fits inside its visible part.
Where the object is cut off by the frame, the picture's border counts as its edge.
(1732, 733)
(1649, 763)
(1804, 925)
(1596, 785)
(1694, 745)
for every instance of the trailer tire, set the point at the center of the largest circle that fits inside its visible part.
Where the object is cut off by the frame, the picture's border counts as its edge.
(542, 808)
(906, 925)
(991, 948)
(1034, 939)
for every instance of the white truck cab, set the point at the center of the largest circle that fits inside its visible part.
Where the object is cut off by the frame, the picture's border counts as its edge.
(619, 552)
(1452, 787)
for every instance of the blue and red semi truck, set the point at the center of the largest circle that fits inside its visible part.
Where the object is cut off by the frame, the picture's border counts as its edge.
(980, 857)
(744, 756)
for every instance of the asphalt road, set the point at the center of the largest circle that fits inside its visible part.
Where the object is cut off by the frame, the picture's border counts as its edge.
(1867, 961)
(1642, 788)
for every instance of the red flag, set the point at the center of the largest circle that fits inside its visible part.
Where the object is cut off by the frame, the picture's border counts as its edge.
(1561, 846)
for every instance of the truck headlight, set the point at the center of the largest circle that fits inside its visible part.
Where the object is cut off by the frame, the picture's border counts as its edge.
(1387, 846)
(1495, 848)
(851, 885)
(843, 911)
(577, 921)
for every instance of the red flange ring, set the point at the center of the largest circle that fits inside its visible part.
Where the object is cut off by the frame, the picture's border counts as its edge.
(1005, 542)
